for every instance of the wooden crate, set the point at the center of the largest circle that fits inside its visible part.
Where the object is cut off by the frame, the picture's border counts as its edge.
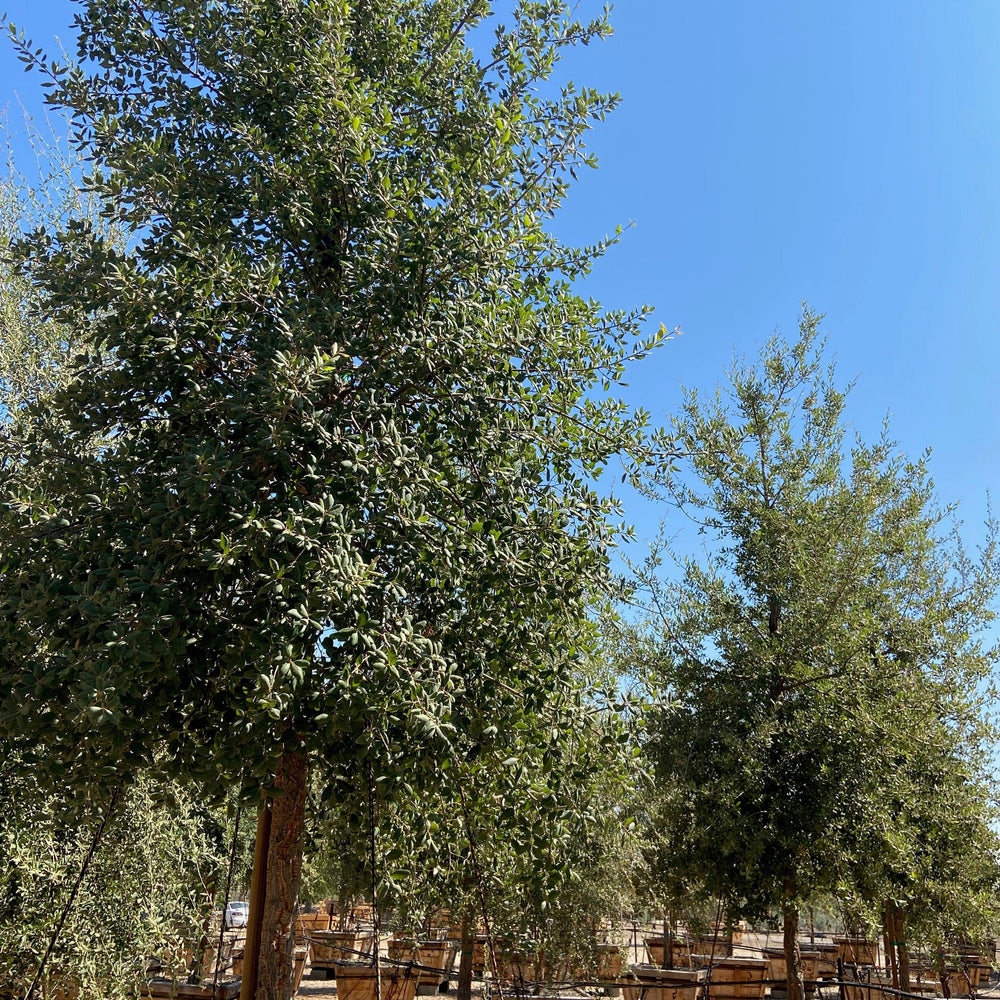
(867, 983)
(827, 963)
(329, 947)
(777, 969)
(738, 979)
(357, 982)
(856, 951)
(648, 982)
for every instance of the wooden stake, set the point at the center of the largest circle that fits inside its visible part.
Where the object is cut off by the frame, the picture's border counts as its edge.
(255, 918)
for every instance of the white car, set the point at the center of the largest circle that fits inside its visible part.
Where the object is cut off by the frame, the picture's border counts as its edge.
(236, 915)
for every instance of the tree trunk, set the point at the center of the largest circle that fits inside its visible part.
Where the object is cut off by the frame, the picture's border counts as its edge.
(464, 990)
(793, 963)
(248, 986)
(889, 939)
(277, 871)
(899, 940)
(208, 901)
(942, 970)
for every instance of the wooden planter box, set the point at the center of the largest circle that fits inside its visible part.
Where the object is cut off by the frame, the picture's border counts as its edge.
(693, 952)
(738, 979)
(306, 924)
(777, 968)
(519, 968)
(162, 989)
(326, 948)
(867, 983)
(56, 985)
(654, 948)
(357, 982)
(439, 955)
(609, 961)
(827, 962)
(647, 990)
(480, 959)
(961, 982)
(178, 964)
(652, 983)
(981, 953)
(402, 950)
(676, 977)
(856, 951)
(738, 930)
(300, 966)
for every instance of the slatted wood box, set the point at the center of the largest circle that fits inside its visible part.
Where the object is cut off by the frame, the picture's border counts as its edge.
(329, 947)
(357, 982)
(738, 979)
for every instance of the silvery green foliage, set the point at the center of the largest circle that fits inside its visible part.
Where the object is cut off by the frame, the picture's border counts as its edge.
(35, 355)
(160, 865)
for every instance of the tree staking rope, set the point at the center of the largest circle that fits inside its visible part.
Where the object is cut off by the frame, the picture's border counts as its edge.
(225, 902)
(73, 892)
(482, 893)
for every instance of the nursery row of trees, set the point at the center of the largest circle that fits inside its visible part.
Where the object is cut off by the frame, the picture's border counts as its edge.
(303, 436)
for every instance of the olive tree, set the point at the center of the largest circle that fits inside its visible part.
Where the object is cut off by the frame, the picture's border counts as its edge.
(100, 907)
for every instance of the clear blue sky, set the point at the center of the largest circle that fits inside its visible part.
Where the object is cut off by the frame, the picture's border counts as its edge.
(847, 153)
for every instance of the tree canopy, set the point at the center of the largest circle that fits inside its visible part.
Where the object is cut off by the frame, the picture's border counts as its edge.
(806, 662)
(341, 374)
(342, 505)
